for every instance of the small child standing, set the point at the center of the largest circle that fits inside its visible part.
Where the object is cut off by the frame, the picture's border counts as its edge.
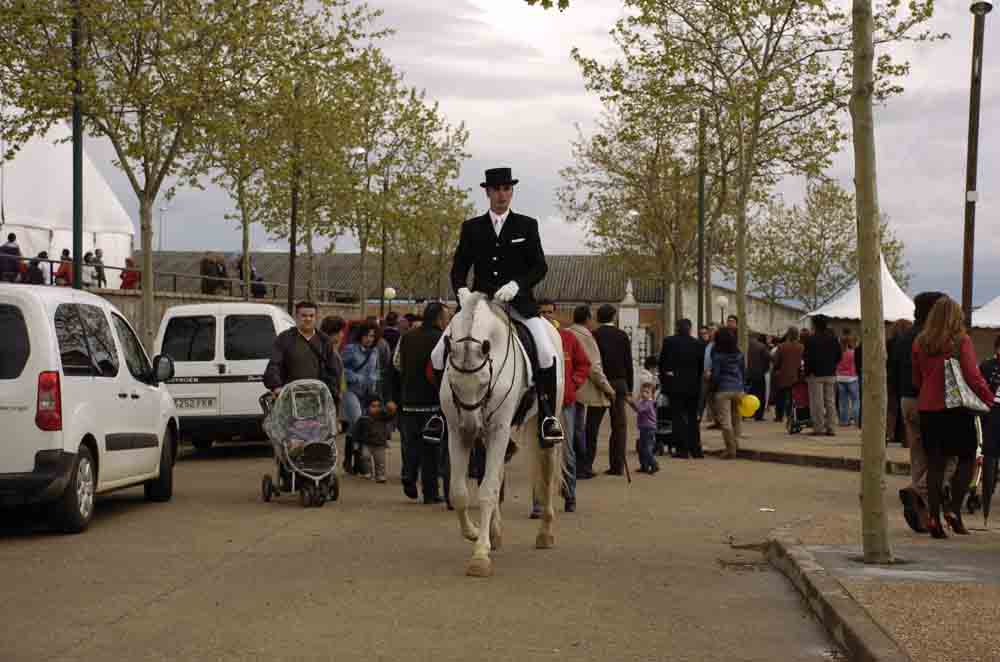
(372, 432)
(645, 410)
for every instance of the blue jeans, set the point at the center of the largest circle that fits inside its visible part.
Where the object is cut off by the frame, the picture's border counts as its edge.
(569, 421)
(647, 441)
(848, 401)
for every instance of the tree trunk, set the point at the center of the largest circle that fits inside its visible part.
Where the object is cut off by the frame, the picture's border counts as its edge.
(709, 299)
(678, 295)
(363, 276)
(149, 319)
(310, 267)
(245, 222)
(666, 310)
(874, 523)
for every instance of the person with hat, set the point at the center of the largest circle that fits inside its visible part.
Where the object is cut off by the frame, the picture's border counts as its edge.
(505, 251)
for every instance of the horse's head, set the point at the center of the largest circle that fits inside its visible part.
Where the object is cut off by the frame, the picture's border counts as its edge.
(470, 367)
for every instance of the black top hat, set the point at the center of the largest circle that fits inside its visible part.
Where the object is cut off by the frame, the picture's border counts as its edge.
(498, 177)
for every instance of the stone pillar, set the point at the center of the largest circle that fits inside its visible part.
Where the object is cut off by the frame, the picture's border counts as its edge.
(628, 321)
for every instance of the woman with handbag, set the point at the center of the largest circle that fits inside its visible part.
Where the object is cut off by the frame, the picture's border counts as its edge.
(952, 392)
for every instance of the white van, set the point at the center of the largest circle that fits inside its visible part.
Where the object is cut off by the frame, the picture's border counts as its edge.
(82, 409)
(220, 352)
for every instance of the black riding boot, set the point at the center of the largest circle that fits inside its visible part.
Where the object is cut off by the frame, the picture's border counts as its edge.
(550, 430)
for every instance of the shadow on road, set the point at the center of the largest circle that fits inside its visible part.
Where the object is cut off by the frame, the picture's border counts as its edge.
(218, 452)
(23, 521)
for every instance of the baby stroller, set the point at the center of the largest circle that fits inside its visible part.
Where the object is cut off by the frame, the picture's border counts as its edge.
(798, 415)
(664, 426)
(301, 424)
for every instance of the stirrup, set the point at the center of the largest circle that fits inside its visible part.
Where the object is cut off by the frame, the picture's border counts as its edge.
(434, 430)
(552, 432)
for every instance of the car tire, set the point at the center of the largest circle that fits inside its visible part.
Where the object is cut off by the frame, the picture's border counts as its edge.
(75, 508)
(161, 488)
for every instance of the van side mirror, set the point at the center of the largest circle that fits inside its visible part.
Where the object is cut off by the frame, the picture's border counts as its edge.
(163, 368)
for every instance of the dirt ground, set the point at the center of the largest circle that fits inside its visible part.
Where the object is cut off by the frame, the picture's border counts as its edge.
(663, 569)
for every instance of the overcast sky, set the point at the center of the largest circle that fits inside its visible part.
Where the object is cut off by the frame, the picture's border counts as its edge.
(505, 69)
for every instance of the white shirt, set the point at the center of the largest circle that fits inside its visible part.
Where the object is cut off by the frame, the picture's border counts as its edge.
(498, 221)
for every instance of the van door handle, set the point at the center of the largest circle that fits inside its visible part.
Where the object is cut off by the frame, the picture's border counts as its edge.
(135, 396)
(221, 367)
(123, 395)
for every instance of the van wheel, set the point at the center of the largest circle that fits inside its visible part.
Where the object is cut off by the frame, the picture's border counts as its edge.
(161, 488)
(74, 510)
(202, 444)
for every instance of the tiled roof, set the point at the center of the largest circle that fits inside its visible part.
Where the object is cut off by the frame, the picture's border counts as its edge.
(571, 278)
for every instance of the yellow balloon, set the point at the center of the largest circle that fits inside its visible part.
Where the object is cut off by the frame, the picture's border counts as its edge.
(749, 404)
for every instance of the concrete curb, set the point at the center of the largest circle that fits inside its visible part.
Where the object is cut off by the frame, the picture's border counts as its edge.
(850, 625)
(819, 461)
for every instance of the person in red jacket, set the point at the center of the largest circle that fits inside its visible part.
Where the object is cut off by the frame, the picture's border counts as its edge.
(577, 371)
(946, 432)
(130, 276)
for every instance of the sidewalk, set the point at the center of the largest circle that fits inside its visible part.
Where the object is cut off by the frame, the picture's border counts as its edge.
(940, 603)
(767, 441)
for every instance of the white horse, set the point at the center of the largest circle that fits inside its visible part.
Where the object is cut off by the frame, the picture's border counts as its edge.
(483, 382)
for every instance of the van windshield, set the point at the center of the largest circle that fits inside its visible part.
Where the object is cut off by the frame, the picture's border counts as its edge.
(15, 347)
(190, 338)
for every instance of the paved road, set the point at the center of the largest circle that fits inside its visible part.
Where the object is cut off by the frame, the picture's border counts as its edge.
(639, 573)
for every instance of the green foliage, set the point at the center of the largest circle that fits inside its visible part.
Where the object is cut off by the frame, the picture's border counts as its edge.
(809, 253)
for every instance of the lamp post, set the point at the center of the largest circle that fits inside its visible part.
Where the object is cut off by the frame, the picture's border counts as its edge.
(163, 212)
(76, 36)
(701, 217)
(723, 302)
(979, 10)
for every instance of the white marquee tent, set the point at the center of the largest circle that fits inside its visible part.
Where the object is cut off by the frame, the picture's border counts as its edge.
(895, 303)
(987, 317)
(37, 198)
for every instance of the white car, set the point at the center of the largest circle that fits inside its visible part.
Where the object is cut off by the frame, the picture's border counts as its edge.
(220, 352)
(82, 409)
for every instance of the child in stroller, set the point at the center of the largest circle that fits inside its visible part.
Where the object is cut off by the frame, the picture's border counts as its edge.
(372, 432)
(798, 410)
(301, 424)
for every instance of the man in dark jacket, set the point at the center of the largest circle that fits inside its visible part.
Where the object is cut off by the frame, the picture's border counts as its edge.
(914, 496)
(682, 366)
(616, 357)
(821, 356)
(10, 254)
(301, 353)
(504, 251)
(758, 363)
(420, 401)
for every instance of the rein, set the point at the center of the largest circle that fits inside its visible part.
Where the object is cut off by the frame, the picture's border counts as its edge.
(488, 364)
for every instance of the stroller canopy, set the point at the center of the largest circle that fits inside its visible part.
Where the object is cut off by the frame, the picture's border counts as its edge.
(305, 399)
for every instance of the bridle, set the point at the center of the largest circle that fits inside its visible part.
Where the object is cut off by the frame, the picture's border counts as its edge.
(487, 363)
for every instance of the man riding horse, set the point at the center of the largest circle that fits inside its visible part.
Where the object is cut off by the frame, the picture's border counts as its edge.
(505, 252)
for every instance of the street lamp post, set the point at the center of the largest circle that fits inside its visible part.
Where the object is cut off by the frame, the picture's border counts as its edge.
(723, 302)
(979, 10)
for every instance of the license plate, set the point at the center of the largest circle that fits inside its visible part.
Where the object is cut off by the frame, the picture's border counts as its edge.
(195, 403)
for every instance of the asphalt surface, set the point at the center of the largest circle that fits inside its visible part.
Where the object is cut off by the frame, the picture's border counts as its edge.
(664, 569)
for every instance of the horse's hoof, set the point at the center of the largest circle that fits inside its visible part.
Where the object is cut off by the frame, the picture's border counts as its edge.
(478, 568)
(496, 542)
(545, 541)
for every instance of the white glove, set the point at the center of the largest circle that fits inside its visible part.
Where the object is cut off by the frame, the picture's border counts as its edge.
(463, 294)
(507, 292)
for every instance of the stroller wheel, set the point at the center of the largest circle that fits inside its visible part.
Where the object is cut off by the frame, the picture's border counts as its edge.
(266, 488)
(319, 498)
(305, 496)
(334, 488)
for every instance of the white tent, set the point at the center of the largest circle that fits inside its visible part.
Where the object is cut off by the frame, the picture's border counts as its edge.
(37, 198)
(895, 304)
(987, 317)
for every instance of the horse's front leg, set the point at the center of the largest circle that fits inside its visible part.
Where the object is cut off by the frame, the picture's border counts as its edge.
(459, 454)
(489, 500)
(547, 473)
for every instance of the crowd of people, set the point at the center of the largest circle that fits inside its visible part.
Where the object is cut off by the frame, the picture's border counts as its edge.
(15, 267)
(380, 374)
